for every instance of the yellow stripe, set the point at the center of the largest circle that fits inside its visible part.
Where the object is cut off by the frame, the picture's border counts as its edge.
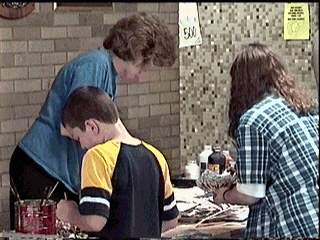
(98, 166)
(164, 167)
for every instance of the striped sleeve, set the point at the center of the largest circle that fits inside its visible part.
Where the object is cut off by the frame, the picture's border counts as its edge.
(170, 209)
(94, 201)
(96, 187)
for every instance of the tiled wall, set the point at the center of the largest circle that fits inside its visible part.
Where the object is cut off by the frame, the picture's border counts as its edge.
(204, 69)
(34, 48)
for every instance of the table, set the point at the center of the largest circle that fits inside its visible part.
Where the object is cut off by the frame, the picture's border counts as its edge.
(207, 230)
(12, 235)
(229, 222)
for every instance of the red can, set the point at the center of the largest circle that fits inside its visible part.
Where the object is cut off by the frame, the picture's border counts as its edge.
(32, 218)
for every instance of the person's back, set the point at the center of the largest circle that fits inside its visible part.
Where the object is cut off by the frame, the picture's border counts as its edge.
(136, 190)
(290, 145)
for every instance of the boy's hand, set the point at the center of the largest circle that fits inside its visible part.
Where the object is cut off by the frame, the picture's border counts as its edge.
(67, 210)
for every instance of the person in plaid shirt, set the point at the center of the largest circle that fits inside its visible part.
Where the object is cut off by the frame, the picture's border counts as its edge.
(274, 124)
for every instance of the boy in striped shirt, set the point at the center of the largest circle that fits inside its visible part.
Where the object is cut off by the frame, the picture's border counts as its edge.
(125, 183)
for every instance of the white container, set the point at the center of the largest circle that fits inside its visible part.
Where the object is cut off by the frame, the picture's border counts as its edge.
(192, 170)
(203, 156)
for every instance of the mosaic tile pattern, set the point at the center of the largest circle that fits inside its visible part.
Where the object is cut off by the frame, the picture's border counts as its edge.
(204, 69)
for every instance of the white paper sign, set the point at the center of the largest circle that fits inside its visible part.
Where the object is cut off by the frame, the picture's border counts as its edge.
(189, 27)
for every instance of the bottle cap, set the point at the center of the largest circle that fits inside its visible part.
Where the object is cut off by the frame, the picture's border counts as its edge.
(217, 149)
(207, 147)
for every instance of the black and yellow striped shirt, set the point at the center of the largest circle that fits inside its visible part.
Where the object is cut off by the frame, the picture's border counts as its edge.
(130, 186)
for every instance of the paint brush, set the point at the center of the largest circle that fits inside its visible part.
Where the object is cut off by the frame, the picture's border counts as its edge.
(45, 193)
(47, 196)
(14, 190)
(54, 188)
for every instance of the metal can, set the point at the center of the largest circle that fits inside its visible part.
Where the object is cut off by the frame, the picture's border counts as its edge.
(33, 218)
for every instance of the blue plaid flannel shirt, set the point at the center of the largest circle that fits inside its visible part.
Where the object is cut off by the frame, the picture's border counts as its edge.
(280, 149)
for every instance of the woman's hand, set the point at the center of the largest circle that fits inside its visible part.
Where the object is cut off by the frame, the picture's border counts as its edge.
(230, 162)
(67, 210)
(218, 192)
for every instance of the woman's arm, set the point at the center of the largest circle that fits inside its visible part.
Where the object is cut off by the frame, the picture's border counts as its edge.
(230, 194)
(68, 211)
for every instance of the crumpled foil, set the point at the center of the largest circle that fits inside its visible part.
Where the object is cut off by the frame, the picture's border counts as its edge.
(210, 178)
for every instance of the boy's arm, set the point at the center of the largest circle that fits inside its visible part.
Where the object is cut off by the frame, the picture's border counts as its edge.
(68, 211)
(167, 225)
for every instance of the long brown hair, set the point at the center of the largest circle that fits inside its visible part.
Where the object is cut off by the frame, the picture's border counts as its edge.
(257, 71)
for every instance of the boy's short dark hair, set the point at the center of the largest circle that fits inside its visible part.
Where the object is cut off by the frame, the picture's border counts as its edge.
(88, 102)
(143, 36)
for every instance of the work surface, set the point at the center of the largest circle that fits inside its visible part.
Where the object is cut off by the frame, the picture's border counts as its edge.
(12, 235)
(200, 217)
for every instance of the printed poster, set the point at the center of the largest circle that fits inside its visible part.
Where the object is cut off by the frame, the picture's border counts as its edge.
(189, 27)
(296, 21)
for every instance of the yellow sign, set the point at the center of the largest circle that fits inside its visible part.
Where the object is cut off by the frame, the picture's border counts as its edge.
(296, 21)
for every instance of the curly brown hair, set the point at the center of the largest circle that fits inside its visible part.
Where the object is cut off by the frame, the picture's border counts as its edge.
(143, 36)
(256, 72)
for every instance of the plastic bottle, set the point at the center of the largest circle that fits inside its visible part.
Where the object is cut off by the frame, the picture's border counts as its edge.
(204, 158)
(216, 161)
(192, 170)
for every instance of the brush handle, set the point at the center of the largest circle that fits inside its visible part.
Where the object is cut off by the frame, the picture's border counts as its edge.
(50, 192)
(45, 193)
(14, 190)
